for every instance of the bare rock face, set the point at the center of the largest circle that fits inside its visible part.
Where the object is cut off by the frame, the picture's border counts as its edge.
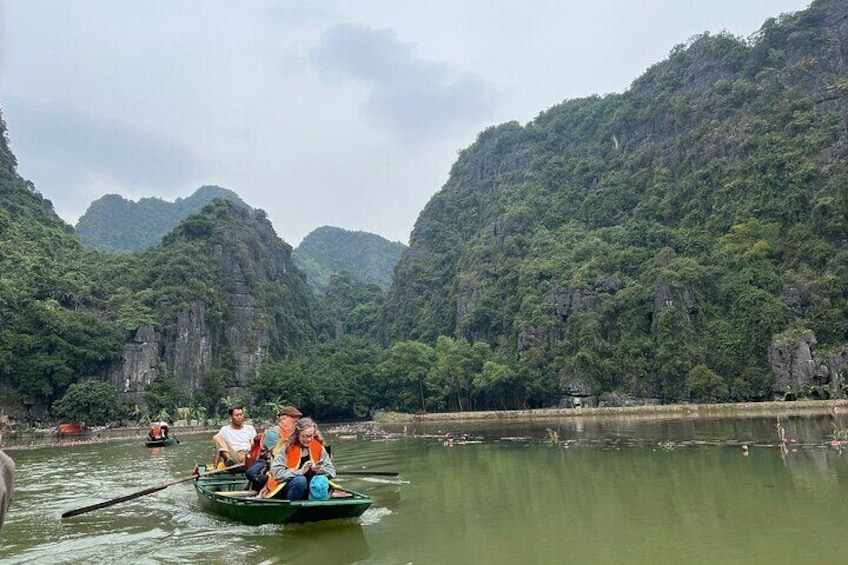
(190, 352)
(791, 358)
(668, 296)
(246, 330)
(141, 362)
(832, 369)
(226, 325)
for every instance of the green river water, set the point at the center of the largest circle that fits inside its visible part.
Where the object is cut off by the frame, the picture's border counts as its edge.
(576, 490)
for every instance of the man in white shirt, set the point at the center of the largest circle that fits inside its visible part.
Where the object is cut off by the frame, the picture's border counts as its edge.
(233, 441)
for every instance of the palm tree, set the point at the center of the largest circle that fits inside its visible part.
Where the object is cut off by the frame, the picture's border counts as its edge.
(225, 402)
(274, 406)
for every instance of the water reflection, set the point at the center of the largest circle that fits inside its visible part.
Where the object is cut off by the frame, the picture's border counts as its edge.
(330, 544)
(631, 490)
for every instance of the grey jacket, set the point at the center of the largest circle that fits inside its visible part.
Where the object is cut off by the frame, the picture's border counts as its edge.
(280, 472)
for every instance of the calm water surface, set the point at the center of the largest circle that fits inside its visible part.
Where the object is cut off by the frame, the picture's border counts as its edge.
(602, 490)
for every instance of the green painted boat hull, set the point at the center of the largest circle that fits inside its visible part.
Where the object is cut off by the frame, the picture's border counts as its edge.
(160, 442)
(251, 510)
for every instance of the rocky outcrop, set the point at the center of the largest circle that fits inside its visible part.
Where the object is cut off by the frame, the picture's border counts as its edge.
(141, 362)
(190, 351)
(800, 371)
(225, 321)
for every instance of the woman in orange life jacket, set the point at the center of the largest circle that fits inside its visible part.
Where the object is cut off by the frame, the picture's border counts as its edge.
(269, 443)
(301, 460)
(155, 432)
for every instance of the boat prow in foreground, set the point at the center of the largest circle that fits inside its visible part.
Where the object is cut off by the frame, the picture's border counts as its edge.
(224, 495)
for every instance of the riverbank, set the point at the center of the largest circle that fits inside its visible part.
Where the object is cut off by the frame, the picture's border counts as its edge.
(792, 408)
(36, 439)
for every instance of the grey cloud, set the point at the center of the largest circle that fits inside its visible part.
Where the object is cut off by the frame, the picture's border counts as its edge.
(59, 143)
(413, 97)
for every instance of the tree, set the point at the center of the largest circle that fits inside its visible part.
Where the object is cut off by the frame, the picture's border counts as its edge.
(164, 394)
(93, 402)
(705, 385)
(403, 375)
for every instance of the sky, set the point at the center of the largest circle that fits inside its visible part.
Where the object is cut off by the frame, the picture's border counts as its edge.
(340, 113)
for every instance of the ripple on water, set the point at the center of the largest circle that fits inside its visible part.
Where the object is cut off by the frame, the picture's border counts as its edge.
(374, 516)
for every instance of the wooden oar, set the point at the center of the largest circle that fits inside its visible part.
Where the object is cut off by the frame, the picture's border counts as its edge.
(369, 473)
(149, 490)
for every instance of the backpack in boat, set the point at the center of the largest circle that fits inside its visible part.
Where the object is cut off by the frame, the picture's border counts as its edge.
(319, 488)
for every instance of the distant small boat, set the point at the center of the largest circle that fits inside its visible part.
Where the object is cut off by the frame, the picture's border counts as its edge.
(161, 442)
(71, 429)
(223, 495)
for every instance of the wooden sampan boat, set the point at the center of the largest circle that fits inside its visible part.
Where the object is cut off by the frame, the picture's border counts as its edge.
(224, 494)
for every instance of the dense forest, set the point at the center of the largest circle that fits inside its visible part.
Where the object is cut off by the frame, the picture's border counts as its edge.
(685, 240)
(113, 223)
(366, 256)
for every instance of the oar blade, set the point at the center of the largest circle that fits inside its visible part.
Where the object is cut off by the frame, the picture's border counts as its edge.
(114, 501)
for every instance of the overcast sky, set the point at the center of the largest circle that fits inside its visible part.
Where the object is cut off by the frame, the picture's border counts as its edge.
(341, 113)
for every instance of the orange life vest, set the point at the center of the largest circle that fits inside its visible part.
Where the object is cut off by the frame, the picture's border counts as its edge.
(293, 455)
(255, 450)
(285, 430)
(156, 431)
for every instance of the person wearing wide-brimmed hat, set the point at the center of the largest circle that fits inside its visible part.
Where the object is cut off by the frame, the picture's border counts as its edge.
(272, 441)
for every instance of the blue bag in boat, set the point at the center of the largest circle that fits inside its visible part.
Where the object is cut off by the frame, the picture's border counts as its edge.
(319, 488)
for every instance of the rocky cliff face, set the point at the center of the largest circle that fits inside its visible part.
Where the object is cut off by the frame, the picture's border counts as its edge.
(140, 363)
(802, 371)
(256, 307)
(665, 220)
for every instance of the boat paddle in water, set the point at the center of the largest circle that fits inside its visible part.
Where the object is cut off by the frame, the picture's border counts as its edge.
(151, 490)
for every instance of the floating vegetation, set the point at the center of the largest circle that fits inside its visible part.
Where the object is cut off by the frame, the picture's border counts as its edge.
(666, 445)
(551, 437)
(840, 437)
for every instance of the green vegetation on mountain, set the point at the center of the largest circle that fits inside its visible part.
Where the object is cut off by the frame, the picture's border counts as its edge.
(623, 243)
(328, 250)
(219, 296)
(685, 240)
(117, 225)
(50, 333)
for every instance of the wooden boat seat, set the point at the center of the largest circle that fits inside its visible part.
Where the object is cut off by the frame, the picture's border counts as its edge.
(237, 493)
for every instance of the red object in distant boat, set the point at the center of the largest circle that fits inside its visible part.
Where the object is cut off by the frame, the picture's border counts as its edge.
(70, 429)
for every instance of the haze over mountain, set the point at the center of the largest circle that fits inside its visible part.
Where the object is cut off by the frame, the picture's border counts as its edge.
(328, 250)
(113, 223)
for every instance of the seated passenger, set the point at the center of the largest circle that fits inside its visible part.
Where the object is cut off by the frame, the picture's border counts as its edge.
(155, 432)
(233, 441)
(272, 440)
(303, 460)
